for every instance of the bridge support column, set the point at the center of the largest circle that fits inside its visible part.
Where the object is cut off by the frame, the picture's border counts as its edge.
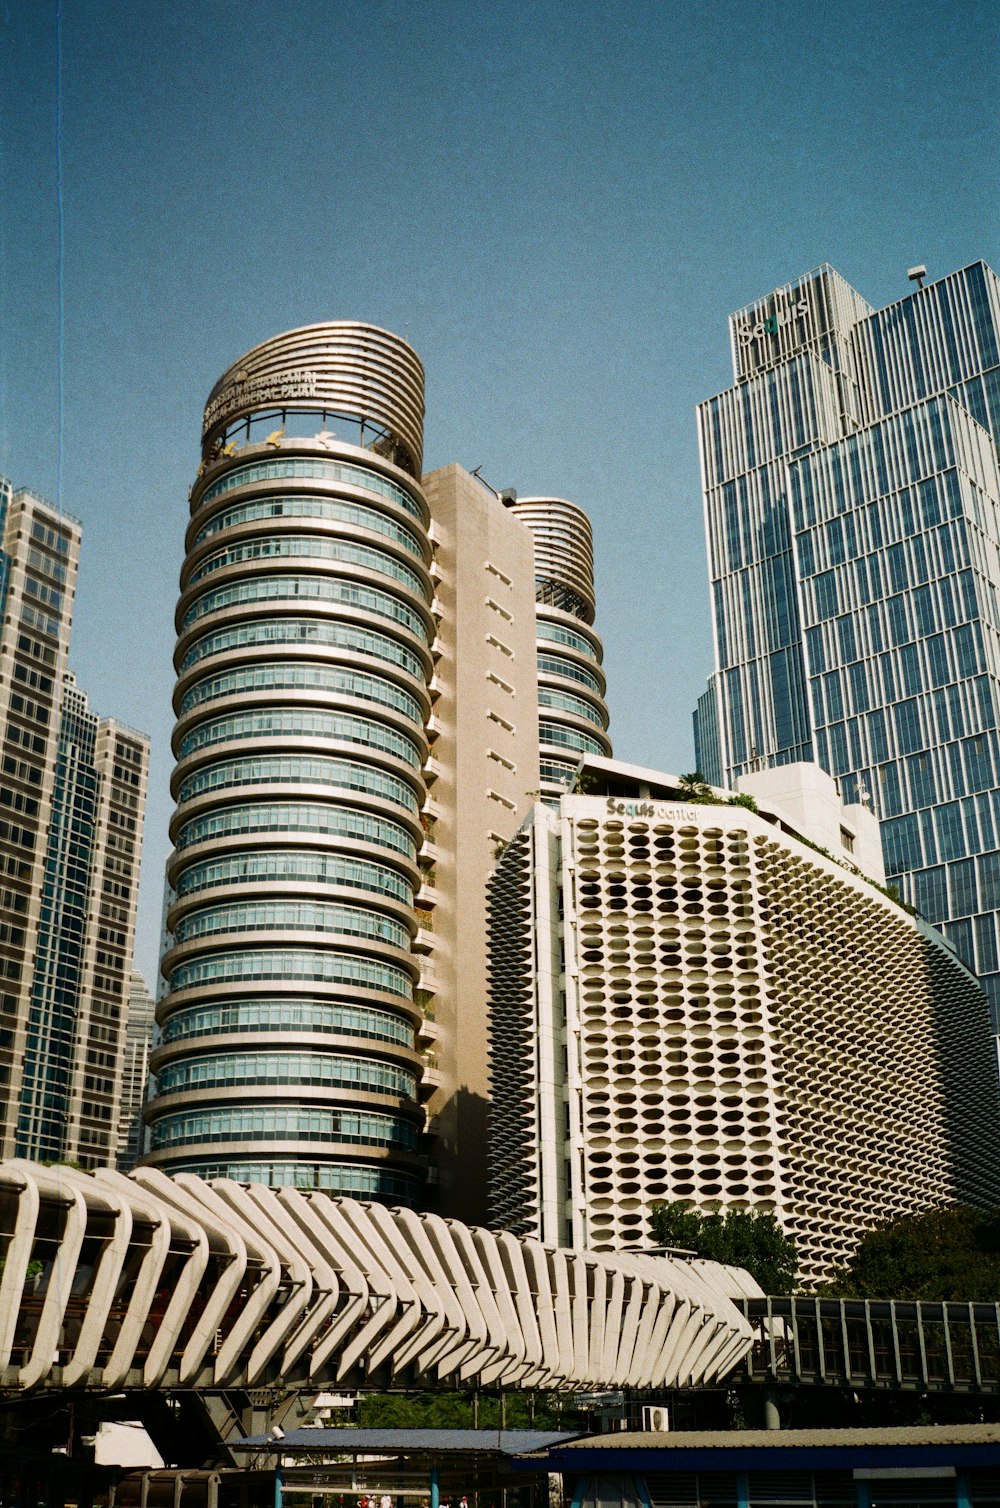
(772, 1413)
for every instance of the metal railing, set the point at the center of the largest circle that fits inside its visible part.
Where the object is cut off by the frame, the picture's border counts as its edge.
(887, 1344)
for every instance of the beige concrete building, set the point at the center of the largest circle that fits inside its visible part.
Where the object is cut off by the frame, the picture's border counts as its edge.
(689, 1001)
(100, 809)
(482, 777)
(809, 800)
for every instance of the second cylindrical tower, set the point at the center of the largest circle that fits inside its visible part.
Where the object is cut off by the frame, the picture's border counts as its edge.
(572, 714)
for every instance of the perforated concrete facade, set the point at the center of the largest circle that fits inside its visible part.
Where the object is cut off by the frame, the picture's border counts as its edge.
(689, 1003)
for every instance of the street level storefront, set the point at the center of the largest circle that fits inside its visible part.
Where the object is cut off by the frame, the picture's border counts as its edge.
(932, 1466)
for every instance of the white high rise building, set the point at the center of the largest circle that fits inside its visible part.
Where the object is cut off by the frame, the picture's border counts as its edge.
(139, 1026)
(689, 1000)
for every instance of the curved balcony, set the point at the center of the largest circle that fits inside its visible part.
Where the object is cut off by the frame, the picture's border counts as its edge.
(304, 650)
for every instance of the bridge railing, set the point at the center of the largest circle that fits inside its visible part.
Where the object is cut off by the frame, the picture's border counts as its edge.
(867, 1343)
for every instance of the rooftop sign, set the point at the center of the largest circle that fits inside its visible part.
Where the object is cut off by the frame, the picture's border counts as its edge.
(775, 327)
(245, 393)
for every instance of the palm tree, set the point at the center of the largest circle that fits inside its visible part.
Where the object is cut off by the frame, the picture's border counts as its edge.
(695, 787)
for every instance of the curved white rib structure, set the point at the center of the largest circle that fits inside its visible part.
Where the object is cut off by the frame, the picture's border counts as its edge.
(149, 1281)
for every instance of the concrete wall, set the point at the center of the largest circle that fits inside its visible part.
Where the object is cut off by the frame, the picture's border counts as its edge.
(484, 764)
(807, 798)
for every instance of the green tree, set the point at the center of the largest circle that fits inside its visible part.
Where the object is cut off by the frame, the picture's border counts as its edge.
(743, 798)
(694, 787)
(741, 1238)
(944, 1255)
(440, 1410)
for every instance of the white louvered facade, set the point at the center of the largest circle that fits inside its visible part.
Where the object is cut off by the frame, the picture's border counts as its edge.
(689, 1002)
(146, 1281)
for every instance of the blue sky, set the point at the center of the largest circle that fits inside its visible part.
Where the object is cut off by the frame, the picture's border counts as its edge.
(557, 203)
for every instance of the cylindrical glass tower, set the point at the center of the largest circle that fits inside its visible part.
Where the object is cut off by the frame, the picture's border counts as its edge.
(572, 715)
(303, 660)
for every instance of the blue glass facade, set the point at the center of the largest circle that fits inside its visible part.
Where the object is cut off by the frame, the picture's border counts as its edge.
(853, 511)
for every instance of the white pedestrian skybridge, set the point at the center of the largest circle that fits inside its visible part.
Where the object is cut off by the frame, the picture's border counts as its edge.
(151, 1282)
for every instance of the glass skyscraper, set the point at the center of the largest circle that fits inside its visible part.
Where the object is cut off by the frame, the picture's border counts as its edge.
(75, 1026)
(72, 799)
(852, 500)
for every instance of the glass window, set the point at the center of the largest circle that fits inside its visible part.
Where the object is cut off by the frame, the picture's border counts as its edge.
(292, 916)
(312, 507)
(978, 760)
(300, 722)
(303, 631)
(287, 1015)
(280, 864)
(217, 1070)
(277, 769)
(901, 842)
(297, 589)
(263, 1123)
(294, 675)
(909, 663)
(332, 471)
(909, 731)
(931, 893)
(556, 665)
(949, 831)
(310, 547)
(557, 634)
(568, 738)
(562, 699)
(558, 774)
(825, 594)
(289, 816)
(964, 893)
(333, 1178)
(292, 963)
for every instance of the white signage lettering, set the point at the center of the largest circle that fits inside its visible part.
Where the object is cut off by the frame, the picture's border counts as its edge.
(260, 390)
(769, 324)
